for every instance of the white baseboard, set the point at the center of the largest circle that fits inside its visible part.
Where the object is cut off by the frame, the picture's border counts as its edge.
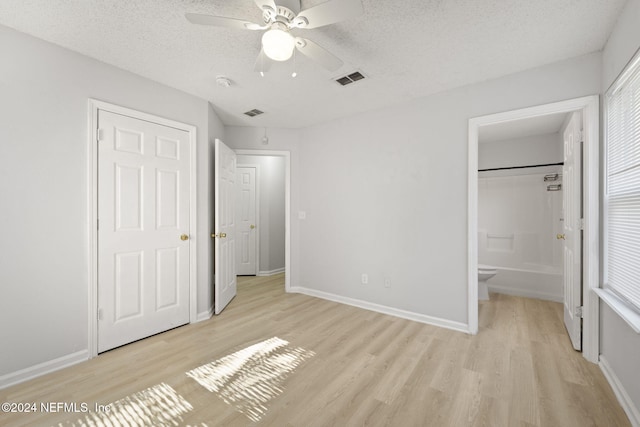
(43, 368)
(271, 272)
(422, 318)
(524, 293)
(205, 315)
(625, 401)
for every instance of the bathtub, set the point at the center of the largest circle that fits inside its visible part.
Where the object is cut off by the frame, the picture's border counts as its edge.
(533, 281)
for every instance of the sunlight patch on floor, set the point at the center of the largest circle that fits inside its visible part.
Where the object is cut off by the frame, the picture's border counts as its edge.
(248, 379)
(159, 405)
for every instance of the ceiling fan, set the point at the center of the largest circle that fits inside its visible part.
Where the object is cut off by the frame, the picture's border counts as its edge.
(282, 16)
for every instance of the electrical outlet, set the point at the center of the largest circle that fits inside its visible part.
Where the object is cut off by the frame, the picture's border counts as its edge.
(365, 278)
(387, 282)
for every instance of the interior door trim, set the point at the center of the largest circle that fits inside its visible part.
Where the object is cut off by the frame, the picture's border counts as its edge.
(94, 106)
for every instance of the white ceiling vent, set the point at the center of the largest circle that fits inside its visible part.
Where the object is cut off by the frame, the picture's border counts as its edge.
(253, 113)
(350, 78)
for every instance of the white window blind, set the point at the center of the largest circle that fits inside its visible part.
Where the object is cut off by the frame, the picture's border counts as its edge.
(622, 187)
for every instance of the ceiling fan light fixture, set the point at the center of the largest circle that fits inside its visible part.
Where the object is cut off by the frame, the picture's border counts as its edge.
(278, 44)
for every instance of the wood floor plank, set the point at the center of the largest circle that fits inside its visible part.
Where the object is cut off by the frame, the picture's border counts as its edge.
(523, 405)
(360, 368)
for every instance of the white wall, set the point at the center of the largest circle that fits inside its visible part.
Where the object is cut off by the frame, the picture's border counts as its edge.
(619, 345)
(43, 187)
(272, 210)
(526, 151)
(385, 192)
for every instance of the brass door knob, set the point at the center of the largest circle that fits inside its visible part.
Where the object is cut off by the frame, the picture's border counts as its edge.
(223, 235)
(184, 237)
(560, 236)
(252, 226)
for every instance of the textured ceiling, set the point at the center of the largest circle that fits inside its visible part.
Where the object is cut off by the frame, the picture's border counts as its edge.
(407, 48)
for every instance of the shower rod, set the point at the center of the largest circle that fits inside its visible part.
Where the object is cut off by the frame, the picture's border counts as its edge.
(521, 167)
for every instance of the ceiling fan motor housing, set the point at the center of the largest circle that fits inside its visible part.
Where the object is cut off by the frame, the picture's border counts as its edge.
(286, 11)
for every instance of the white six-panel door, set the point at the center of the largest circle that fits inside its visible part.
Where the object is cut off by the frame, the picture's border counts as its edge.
(143, 214)
(246, 233)
(224, 234)
(572, 234)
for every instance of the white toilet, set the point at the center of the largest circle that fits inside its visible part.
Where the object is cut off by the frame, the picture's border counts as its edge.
(485, 272)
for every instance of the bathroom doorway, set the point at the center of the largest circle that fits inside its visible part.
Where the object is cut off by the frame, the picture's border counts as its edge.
(521, 150)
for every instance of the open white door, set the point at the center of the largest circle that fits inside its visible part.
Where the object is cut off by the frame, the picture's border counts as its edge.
(572, 236)
(224, 234)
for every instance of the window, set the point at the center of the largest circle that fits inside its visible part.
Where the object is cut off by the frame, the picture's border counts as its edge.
(622, 187)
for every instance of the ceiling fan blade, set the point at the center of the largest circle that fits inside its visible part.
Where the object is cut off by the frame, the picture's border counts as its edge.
(263, 64)
(319, 54)
(221, 21)
(262, 3)
(331, 12)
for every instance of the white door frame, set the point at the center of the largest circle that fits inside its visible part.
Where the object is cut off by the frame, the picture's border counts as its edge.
(92, 210)
(287, 205)
(257, 193)
(589, 106)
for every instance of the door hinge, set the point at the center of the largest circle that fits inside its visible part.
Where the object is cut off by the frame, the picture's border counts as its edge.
(581, 223)
(100, 135)
(97, 224)
(99, 314)
(579, 312)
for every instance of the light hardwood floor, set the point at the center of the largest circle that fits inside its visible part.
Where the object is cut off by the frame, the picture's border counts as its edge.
(334, 365)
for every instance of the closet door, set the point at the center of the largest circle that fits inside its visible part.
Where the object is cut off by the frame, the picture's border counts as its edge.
(143, 214)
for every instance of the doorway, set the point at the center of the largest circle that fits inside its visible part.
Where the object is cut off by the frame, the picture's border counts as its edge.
(283, 158)
(265, 242)
(588, 107)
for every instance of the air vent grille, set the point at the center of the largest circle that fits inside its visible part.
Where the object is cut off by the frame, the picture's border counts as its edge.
(253, 113)
(350, 78)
